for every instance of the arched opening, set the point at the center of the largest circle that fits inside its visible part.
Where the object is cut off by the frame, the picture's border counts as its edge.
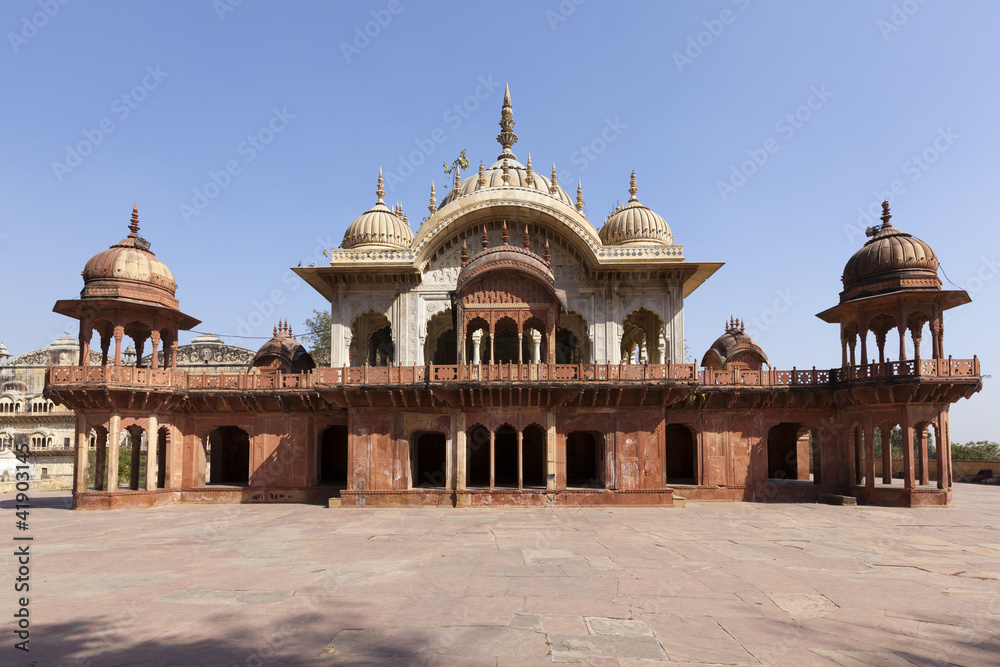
(642, 338)
(585, 460)
(533, 454)
(371, 340)
(505, 342)
(924, 452)
(229, 452)
(97, 470)
(445, 349)
(477, 457)
(788, 452)
(681, 455)
(332, 452)
(131, 456)
(477, 341)
(162, 437)
(572, 342)
(505, 457)
(858, 452)
(888, 446)
(428, 460)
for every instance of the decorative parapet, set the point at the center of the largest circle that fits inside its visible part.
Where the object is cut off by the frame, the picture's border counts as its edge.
(634, 252)
(550, 374)
(371, 256)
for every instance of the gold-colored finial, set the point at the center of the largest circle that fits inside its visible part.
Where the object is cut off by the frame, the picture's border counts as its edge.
(553, 185)
(529, 179)
(380, 191)
(507, 138)
(481, 181)
(579, 197)
(632, 189)
(433, 206)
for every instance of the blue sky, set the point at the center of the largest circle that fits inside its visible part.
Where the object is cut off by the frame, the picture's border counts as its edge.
(108, 102)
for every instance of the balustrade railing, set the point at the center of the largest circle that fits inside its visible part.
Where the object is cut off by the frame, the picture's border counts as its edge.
(510, 373)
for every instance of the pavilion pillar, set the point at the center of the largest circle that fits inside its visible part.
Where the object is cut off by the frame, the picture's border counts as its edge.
(536, 346)
(864, 348)
(114, 436)
(493, 458)
(493, 336)
(908, 457)
(173, 355)
(902, 342)
(119, 333)
(100, 461)
(886, 436)
(477, 341)
(520, 460)
(152, 452)
(550, 451)
(85, 346)
(915, 333)
(843, 351)
(869, 443)
(155, 338)
(140, 343)
(520, 344)
(458, 428)
(105, 345)
(925, 472)
(82, 454)
(944, 449)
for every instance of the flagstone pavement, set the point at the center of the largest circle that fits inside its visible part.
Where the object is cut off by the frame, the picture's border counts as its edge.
(711, 583)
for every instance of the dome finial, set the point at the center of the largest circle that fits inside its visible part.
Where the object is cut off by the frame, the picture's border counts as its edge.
(527, 239)
(134, 225)
(579, 197)
(458, 179)
(486, 238)
(886, 215)
(507, 138)
(548, 252)
(433, 206)
(380, 192)
(632, 189)
(465, 254)
(529, 178)
(481, 181)
(553, 185)
(505, 237)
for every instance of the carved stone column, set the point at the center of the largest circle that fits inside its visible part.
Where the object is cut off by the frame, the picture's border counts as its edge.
(114, 437)
(152, 450)
(536, 346)
(477, 341)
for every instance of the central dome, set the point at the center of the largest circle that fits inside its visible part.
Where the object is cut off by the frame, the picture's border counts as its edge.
(129, 270)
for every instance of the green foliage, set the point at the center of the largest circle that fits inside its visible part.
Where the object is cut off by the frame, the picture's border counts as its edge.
(124, 467)
(981, 450)
(317, 337)
(462, 162)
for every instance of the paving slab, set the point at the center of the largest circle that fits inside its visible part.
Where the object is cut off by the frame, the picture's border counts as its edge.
(712, 583)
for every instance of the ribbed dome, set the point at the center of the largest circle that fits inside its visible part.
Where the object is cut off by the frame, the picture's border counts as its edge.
(891, 260)
(517, 173)
(379, 226)
(129, 270)
(635, 223)
(734, 348)
(283, 353)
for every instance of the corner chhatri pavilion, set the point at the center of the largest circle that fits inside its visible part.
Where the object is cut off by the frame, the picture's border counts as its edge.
(511, 353)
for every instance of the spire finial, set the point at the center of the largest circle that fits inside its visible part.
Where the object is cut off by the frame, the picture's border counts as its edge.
(486, 238)
(632, 189)
(458, 179)
(553, 185)
(506, 172)
(505, 237)
(134, 225)
(548, 252)
(529, 179)
(380, 191)
(507, 138)
(433, 205)
(579, 197)
(481, 181)
(527, 239)
(276, 330)
(465, 254)
(886, 215)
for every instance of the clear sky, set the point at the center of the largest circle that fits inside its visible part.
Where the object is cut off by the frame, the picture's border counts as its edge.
(834, 103)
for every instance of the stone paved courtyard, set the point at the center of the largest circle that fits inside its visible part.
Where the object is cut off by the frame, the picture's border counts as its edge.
(712, 583)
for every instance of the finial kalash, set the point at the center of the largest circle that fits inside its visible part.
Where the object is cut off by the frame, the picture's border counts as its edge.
(553, 185)
(433, 206)
(465, 254)
(507, 138)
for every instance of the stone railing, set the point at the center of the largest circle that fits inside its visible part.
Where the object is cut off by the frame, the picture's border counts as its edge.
(369, 376)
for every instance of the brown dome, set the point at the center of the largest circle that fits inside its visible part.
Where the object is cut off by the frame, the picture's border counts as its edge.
(735, 348)
(129, 270)
(283, 353)
(890, 261)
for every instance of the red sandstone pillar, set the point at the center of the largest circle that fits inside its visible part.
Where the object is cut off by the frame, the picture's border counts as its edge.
(114, 435)
(152, 447)
(492, 458)
(869, 456)
(908, 480)
(119, 332)
(82, 455)
(520, 460)
(155, 338)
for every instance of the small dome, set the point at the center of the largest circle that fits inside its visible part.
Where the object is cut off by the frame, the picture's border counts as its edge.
(129, 270)
(891, 260)
(635, 223)
(517, 176)
(283, 353)
(735, 349)
(206, 339)
(379, 226)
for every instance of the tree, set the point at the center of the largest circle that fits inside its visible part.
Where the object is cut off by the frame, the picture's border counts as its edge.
(981, 450)
(317, 336)
(462, 162)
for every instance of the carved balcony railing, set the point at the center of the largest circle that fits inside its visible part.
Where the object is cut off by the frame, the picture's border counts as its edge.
(549, 374)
